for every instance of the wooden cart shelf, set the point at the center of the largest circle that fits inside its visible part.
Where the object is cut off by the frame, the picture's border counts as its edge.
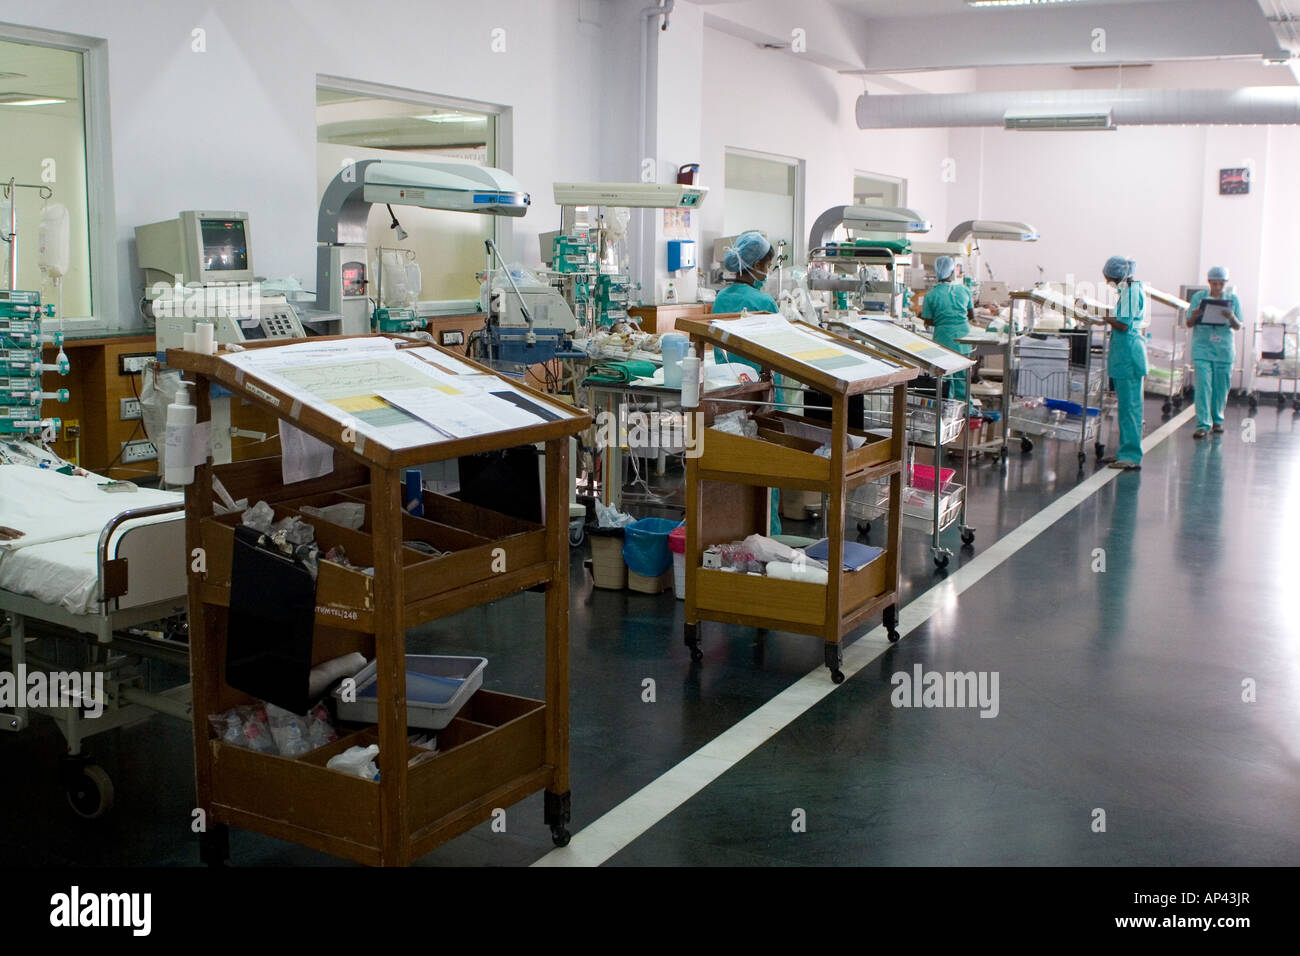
(726, 496)
(497, 750)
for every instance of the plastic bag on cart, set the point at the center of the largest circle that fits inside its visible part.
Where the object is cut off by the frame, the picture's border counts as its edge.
(767, 549)
(289, 731)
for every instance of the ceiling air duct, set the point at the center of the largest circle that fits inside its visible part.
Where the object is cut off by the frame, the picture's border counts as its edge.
(1261, 105)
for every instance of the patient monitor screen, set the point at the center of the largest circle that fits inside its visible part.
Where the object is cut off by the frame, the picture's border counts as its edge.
(225, 247)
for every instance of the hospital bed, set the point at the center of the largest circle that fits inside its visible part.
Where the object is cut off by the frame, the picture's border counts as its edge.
(96, 565)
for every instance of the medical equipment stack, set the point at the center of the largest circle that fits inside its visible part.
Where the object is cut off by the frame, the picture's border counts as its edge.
(23, 333)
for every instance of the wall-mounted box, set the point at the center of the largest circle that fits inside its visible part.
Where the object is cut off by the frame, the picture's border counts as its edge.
(681, 254)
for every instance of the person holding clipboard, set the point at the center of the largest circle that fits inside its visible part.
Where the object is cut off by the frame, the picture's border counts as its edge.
(1214, 318)
(1126, 358)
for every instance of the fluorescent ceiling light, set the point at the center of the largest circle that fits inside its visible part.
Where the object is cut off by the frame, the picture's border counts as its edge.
(450, 118)
(28, 99)
(1061, 119)
(1012, 3)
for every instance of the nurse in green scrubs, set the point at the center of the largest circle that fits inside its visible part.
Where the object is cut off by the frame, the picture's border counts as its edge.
(1212, 353)
(1126, 358)
(749, 261)
(949, 308)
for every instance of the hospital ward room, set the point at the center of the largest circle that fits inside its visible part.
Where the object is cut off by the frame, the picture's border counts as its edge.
(733, 434)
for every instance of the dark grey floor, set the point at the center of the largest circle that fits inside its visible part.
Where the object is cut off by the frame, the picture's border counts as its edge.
(1120, 691)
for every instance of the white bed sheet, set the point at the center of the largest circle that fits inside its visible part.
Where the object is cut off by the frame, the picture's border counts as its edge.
(62, 516)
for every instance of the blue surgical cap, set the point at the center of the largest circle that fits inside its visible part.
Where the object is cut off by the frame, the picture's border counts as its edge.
(1117, 268)
(944, 268)
(749, 248)
(1217, 274)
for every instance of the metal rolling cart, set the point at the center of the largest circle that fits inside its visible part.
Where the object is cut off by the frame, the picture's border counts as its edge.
(1073, 396)
(932, 420)
(1178, 339)
(1276, 358)
(983, 342)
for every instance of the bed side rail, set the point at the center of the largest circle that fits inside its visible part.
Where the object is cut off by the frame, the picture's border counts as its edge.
(113, 577)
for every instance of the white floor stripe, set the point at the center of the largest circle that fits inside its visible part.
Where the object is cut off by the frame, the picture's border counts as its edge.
(600, 840)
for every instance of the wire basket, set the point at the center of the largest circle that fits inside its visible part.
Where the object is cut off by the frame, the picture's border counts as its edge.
(879, 413)
(1052, 423)
(871, 501)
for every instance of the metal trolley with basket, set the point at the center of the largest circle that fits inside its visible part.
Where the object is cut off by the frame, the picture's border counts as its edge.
(1056, 385)
(931, 500)
(1276, 360)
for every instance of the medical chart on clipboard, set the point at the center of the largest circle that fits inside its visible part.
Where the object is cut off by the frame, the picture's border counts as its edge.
(399, 398)
(906, 342)
(805, 344)
(1217, 312)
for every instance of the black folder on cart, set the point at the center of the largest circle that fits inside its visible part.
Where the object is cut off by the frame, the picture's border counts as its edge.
(269, 624)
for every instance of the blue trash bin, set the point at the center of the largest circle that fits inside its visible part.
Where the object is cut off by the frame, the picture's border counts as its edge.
(645, 546)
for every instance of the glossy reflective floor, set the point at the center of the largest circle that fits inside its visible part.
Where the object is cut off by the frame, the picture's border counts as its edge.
(1119, 691)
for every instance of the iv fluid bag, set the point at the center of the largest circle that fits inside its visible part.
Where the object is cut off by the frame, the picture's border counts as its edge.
(55, 240)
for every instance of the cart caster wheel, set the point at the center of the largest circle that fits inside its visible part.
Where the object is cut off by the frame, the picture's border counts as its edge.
(968, 536)
(1083, 457)
(697, 655)
(892, 635)
(91, 796)
(837, 677)
(560, 836)
(1100, 449)
(1167, 407)
(1253, 406)
(864, 527)
(1026, 445)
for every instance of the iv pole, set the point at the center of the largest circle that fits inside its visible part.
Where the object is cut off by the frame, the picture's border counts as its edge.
(12, 238)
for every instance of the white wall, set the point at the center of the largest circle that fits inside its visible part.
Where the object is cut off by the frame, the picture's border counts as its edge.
(1147, 192)
(234, 127)
(1279, 280)
(773, 102)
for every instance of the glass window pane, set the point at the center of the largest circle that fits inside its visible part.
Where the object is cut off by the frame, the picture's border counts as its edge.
(760, 194)
(43, 140)
(448, 245)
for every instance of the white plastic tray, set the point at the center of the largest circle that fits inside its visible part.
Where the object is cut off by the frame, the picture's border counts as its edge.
(432, 700)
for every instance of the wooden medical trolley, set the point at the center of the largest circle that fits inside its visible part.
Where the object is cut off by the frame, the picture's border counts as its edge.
(727, 499)
(499, 749)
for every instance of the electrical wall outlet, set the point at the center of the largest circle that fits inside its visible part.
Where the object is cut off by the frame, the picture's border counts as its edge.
(139, 450)
(130, 409)
(132, 363)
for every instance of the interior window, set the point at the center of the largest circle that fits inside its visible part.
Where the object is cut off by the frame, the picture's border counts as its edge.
(448, 246)
(43, 144)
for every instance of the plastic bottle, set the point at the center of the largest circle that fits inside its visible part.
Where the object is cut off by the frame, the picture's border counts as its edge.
(674, 348)
(181, 416)
(691, 379)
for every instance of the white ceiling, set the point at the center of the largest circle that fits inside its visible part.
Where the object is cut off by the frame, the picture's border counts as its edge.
(907, 36)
